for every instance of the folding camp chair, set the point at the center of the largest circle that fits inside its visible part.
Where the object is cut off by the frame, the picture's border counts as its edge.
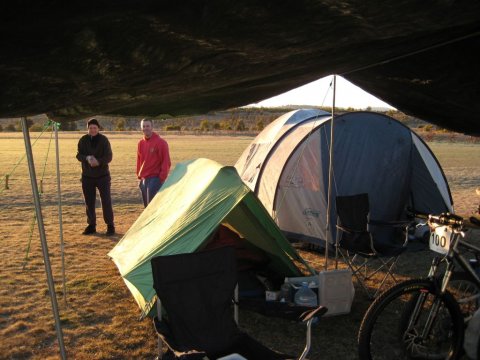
(357, 244)
(196, 292)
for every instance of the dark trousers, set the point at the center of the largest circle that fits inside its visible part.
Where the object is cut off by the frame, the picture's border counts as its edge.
(89, 187)
(149, 188)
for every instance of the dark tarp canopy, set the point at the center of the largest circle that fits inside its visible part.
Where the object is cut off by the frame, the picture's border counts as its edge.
(144, 57)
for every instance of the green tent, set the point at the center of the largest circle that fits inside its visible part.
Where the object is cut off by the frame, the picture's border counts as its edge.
(197, 197)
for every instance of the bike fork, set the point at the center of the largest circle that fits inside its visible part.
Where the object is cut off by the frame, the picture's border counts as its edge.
(433, 312)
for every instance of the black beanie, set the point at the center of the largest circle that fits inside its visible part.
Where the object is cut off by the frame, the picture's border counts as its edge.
(93, 121)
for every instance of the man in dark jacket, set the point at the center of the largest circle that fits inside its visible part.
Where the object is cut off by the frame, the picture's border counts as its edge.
(95, 152)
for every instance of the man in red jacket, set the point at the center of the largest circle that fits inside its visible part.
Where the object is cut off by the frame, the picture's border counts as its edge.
(153, 162)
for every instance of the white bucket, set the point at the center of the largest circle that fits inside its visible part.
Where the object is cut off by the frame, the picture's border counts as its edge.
(336, 291)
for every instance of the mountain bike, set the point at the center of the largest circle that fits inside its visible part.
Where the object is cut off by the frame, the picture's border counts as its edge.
(425, 318)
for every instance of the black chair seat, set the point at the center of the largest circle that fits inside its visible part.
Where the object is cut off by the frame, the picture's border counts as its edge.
(388, 250)
(355, 238)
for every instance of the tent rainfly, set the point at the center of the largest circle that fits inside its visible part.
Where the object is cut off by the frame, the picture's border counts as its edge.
(197, 197)
(287, 165)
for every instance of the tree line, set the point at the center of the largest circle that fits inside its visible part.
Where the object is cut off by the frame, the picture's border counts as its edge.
(238, 119)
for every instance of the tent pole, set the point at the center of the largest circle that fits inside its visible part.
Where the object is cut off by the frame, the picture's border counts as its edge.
(330, 175)
(43, 239)
(60, 220)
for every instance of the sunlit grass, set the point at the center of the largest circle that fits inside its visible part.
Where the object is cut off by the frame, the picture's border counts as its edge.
(100, 319)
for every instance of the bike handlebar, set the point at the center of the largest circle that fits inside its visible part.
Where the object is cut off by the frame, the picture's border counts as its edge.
(441, 219)
(446, 219)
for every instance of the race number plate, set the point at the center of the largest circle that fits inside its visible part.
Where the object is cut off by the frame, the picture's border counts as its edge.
(440, 239)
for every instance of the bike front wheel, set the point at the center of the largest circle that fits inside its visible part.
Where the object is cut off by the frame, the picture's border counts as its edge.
(412, 320)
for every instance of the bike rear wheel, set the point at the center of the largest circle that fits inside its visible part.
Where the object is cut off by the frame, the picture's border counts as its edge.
(396, 324)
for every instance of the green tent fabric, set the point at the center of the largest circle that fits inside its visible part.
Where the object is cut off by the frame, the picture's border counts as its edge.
(197, 197)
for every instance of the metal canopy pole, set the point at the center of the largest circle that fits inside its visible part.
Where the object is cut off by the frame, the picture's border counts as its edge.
(43, 239)
(60, 220)
(330, 175)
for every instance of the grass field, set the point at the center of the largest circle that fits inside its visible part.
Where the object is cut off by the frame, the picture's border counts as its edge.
(100, 319)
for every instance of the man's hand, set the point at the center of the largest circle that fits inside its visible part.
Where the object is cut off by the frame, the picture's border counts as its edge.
(92, 161)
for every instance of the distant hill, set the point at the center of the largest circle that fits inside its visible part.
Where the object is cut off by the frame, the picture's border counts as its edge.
(240, 119)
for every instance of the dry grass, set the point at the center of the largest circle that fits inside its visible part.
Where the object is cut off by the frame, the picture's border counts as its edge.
(100, 319)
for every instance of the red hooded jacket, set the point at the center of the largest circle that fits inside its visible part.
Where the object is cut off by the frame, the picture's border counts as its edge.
(153, 158)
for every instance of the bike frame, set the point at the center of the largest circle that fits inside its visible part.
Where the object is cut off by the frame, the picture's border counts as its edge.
(453, 256)
(465, 265)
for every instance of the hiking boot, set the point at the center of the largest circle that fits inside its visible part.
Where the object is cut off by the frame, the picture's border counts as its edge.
(90, 229)
(110, 230)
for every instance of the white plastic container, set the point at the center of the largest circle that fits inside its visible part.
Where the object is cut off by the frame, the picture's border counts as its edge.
(305, 296)
(336, 291)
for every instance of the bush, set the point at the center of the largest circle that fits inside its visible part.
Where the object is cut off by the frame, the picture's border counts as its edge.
(36, 128)
(452, 136)
(429, 137)
(240, 125)
(10, 127)
(120, 125)
(204, 125)
(68, 126)
(225, 125)
(173, 128)
(259, 125)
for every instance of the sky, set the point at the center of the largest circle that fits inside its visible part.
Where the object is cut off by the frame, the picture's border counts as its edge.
(320, 93)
